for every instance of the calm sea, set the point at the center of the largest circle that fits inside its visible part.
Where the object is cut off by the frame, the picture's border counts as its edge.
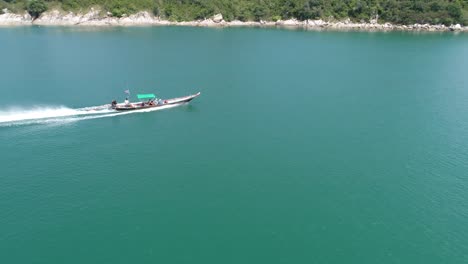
(304, 147)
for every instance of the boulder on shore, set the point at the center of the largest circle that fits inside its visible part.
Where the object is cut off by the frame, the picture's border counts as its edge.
(217, 18)
(455, 27)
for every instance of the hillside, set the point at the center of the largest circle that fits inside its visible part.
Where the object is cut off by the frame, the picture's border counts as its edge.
(394, 11)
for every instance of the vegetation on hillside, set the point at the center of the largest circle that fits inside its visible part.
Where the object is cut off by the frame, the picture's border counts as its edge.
(36, 8)
(394, 11)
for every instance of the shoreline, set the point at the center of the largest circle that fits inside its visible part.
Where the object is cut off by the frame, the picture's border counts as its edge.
(144, 18)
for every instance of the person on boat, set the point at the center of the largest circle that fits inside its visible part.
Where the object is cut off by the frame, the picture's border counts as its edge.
(126, 101)
(114, 103)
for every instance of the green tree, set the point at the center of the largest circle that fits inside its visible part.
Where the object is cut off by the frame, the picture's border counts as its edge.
(36, 8)
(435, 6)
(454, 11)
(259, 13)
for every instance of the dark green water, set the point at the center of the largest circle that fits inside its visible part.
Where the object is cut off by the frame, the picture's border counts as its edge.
(304, 147)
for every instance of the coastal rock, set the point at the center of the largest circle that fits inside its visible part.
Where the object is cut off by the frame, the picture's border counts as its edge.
(93, 18)
(53, 17)
(71, 18)
(183, 23)
(217, 18)
(9, 19)
(166, 22)
(91, 15)
(140, 18)
(206, 23)
(337, 25)
(289, 23)
(97, 18)
(455, 27)
(387, 26)
(236, 23)
(211, 23)
(315, 23)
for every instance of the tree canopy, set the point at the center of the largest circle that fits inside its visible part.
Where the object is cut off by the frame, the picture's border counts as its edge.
(36, 8)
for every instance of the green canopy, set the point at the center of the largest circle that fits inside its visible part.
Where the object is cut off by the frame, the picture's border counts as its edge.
(146, 96)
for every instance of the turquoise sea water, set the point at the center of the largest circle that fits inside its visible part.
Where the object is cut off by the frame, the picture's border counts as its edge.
(304, 147)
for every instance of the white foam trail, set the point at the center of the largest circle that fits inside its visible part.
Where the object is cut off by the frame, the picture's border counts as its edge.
(45, 114)
(115, 113)
(20, 114)
(61, 114)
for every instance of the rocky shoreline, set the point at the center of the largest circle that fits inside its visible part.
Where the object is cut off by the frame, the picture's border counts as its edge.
(96, 18)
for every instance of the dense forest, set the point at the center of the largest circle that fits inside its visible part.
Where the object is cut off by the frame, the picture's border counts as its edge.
(395, 11)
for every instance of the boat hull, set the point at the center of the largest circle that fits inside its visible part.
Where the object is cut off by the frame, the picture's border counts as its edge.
(141, 105)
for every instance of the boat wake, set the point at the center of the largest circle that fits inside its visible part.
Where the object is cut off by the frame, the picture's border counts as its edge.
(61, 114)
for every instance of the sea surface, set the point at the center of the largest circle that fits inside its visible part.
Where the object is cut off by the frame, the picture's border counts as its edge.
(304, 146)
